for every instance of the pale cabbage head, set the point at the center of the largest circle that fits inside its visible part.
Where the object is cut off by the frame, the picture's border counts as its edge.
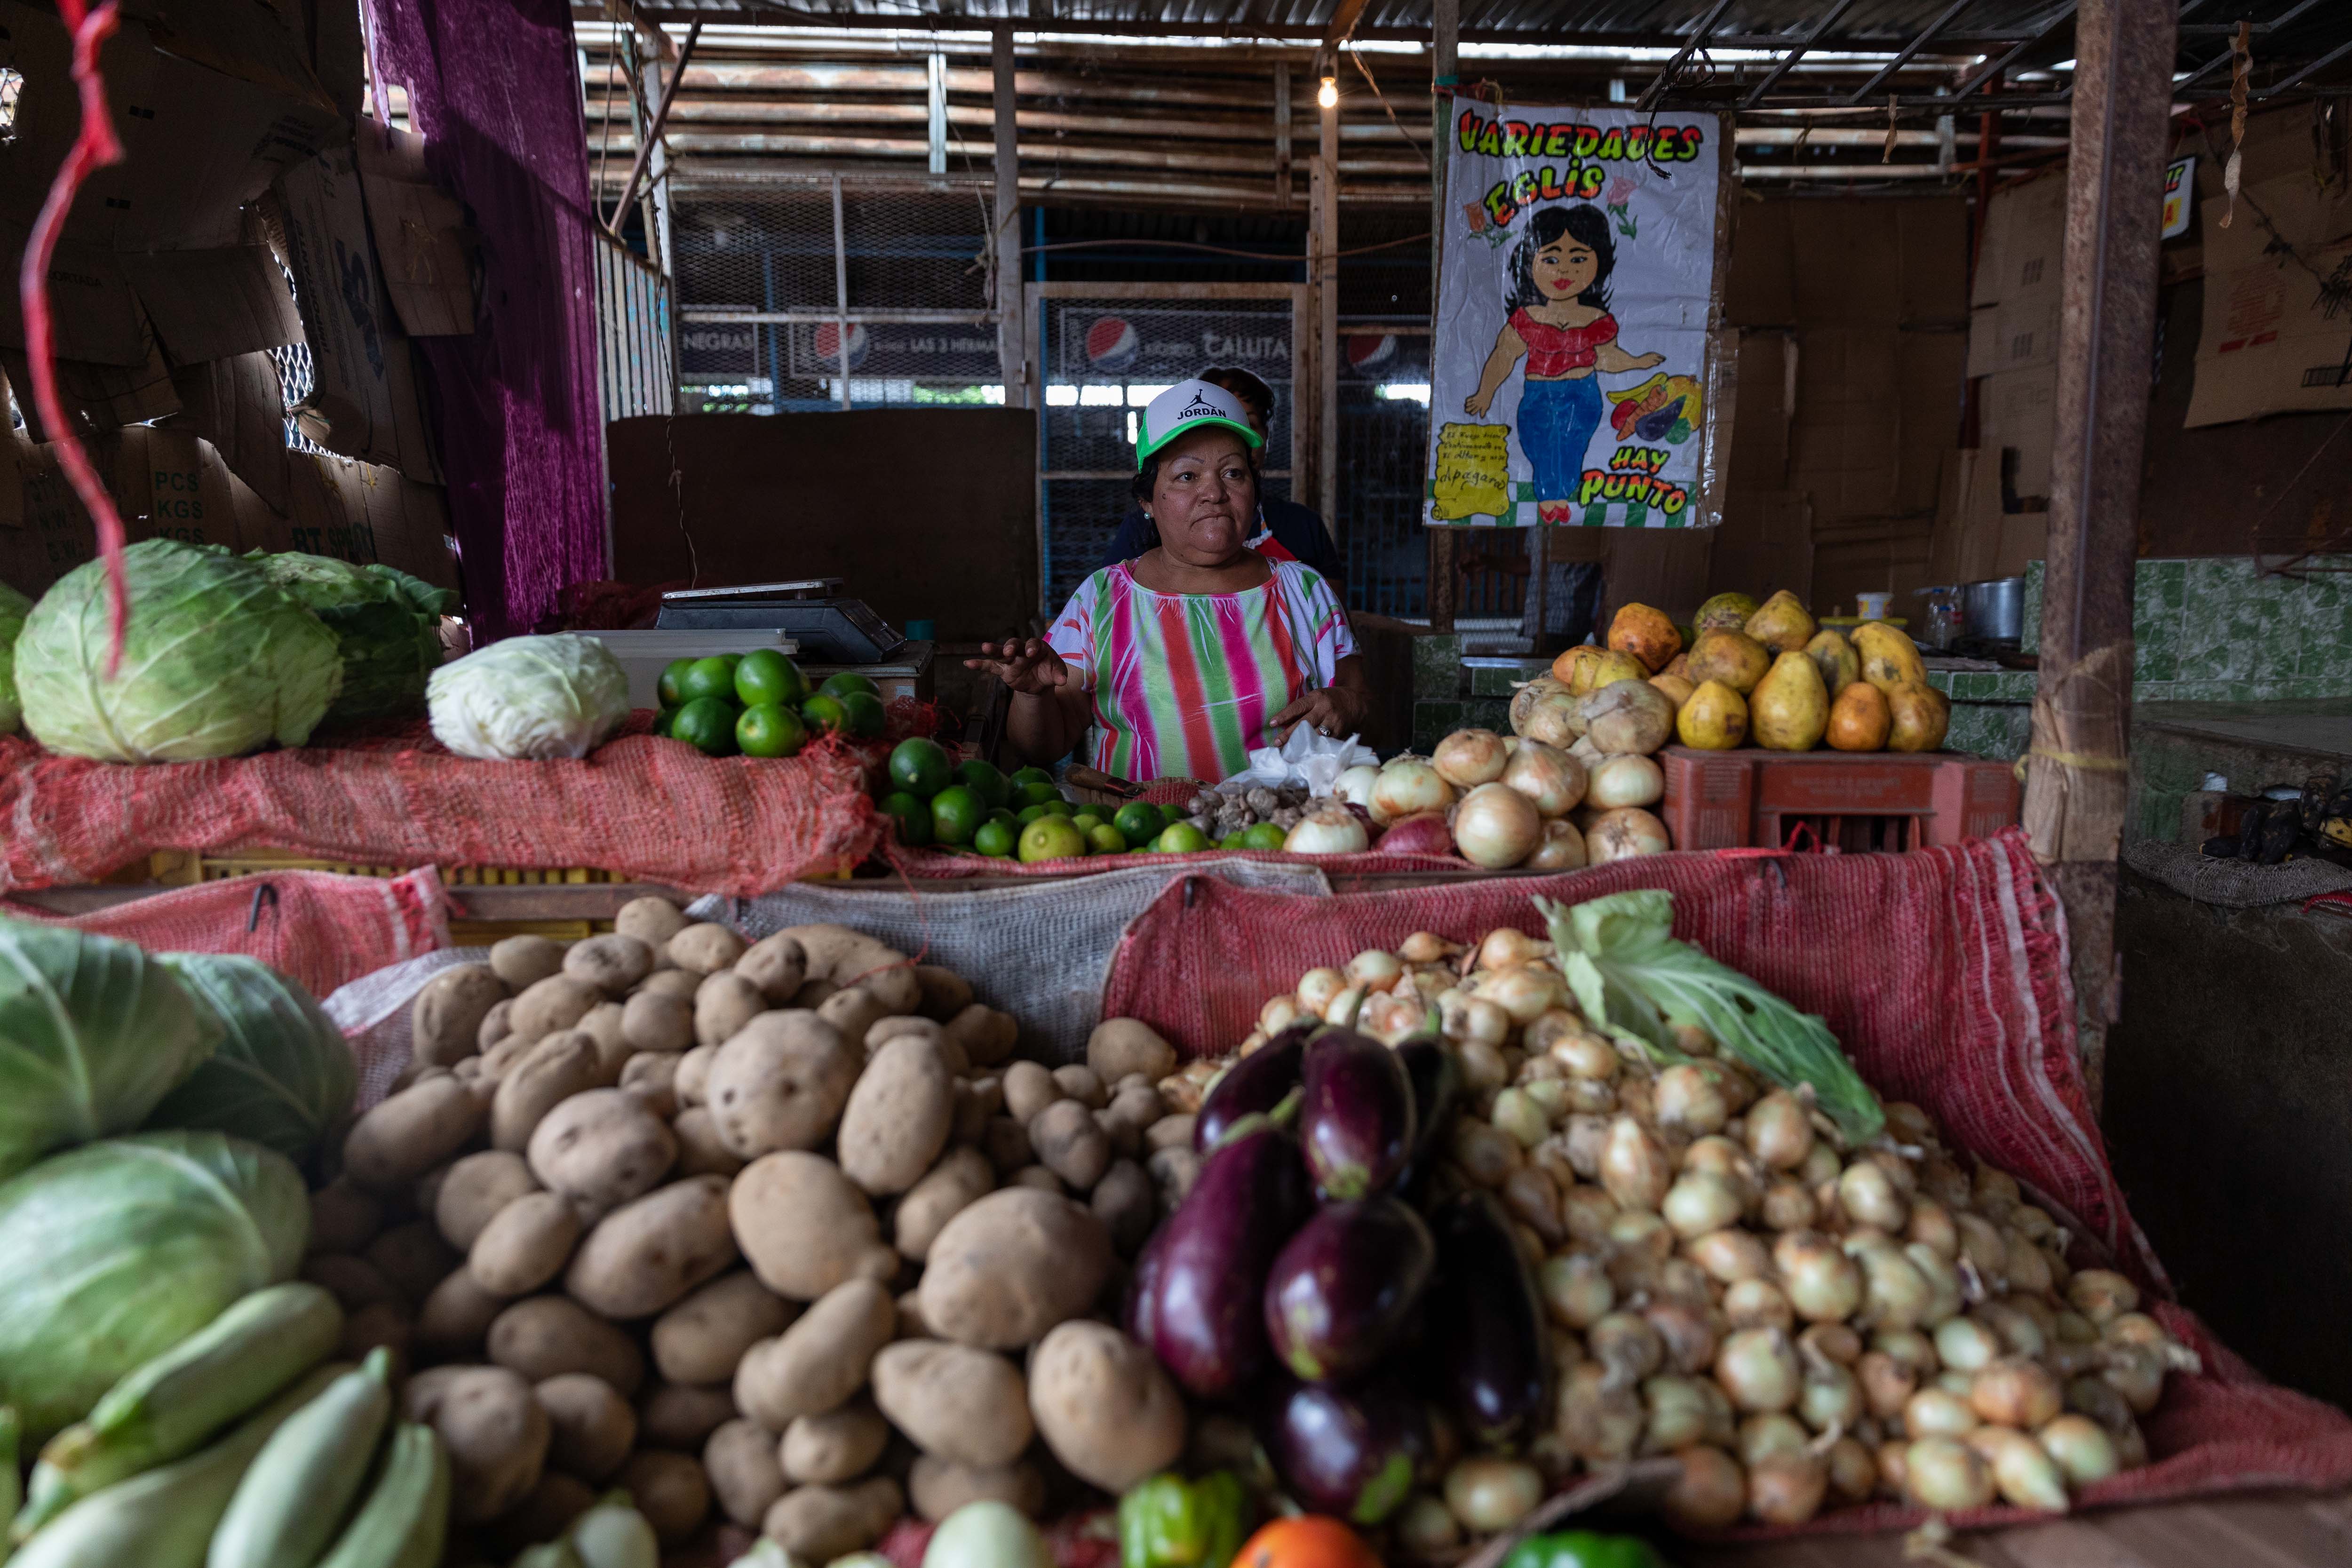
(13, 607)
(94, 1033)
(530, 699)
(119, 1250)
(218, 662)
(283, 1075)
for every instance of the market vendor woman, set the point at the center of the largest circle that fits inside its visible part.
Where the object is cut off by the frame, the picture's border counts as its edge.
(1181, 660)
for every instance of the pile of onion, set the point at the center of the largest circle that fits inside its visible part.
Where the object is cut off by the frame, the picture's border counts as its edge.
(1803, 1323)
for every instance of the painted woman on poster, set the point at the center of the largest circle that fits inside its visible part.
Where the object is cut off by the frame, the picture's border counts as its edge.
(1559, 321)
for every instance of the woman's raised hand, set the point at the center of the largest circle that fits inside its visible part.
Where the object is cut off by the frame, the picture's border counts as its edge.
(1024, 664)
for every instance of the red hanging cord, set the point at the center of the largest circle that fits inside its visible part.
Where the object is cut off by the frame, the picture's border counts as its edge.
(93, 149)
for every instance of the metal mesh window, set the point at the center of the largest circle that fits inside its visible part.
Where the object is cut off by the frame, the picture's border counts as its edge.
(1103, 358)
(761, 281)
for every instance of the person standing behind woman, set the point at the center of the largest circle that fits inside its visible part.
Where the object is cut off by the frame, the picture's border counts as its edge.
(1290, 530)
(1182, 660)
(1559, 322)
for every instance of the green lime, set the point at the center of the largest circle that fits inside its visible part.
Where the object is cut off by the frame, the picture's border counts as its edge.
(769, 730)
(1035, 791)
(1000, 814)
(912, 817)
(1182, 838)
(985, 780)
(824, 713)
(662, 720)
(995, 839)
(1028, 814)
(708, 677)
(708, 724)
(1052, 838)
(767, 676)
(1102, 838)
(1031, 775)
(848, 680)
(1264, 835)
(864, 710)
(1060, 807)
(673, 683)
(1087, 821)
(1138, 821)
(919, 766)
(956, 814)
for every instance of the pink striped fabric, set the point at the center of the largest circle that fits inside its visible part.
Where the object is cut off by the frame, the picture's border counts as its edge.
(1184, 684)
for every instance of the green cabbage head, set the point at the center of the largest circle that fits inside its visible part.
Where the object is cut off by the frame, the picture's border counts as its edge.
(119, 1250)
(13, 607)
(218, 662)
(282, 1076)
(93, 1033)
(387, 623)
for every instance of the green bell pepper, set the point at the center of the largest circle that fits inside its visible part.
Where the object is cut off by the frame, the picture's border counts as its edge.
(1582, 1549)
(1169, 1522)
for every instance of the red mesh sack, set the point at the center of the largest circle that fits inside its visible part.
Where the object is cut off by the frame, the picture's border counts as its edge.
(322, 930)
(1942, 973)
(646, 809)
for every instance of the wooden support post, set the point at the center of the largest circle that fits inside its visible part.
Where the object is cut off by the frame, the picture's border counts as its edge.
(1443, 585)
(2078, 771)
(1327, 312)
(1012, 327)
(1282, 133)
(1444, 38)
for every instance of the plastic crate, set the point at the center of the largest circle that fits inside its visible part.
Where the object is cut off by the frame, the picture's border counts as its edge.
(1840, 800)
(182, 868)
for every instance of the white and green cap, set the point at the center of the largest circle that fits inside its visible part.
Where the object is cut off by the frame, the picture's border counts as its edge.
(1186, 405)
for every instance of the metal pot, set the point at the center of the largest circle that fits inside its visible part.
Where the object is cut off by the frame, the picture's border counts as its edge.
(1994, 610)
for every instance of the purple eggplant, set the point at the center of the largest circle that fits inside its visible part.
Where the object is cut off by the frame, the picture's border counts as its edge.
(1436, 1075)
(1253, 1085)
(1354, 1452)
(1342, 1289)
(1485, 1326)
(1357, 1123)
(1199, 1300)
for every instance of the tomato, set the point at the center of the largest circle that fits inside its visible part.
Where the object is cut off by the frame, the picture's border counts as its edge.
(1310, 1540)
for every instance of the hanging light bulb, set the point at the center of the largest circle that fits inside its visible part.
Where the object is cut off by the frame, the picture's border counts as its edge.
(1327, 95)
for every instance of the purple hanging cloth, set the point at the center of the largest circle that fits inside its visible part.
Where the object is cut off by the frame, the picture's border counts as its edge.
(493, 87)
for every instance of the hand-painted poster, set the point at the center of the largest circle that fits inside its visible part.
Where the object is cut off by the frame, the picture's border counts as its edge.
(1572, 365)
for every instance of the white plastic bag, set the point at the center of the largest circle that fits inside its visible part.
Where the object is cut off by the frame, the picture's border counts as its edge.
(1305, 757)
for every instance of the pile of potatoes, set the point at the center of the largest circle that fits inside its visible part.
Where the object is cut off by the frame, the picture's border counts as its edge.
(775, 1227)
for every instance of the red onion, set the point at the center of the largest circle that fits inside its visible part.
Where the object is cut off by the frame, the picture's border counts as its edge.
(1424, 832)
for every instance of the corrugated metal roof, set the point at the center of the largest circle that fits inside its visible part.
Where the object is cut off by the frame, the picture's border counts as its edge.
(1154, 114)
(1879, 21)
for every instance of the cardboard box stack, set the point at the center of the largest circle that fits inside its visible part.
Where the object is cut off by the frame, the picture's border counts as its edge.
(172, 306)
(2003, 519)
(1849, 386)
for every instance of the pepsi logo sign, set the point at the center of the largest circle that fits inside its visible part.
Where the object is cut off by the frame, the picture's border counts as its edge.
(828, 343)
(1112, 344)
(1368, 352)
